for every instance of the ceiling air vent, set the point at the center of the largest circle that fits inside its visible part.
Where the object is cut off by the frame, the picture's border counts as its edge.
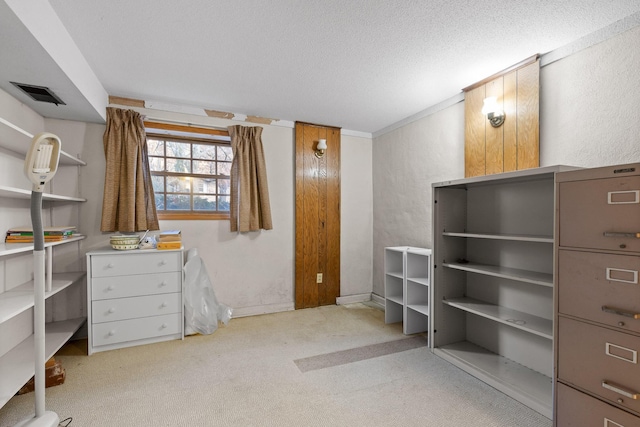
(39, 93)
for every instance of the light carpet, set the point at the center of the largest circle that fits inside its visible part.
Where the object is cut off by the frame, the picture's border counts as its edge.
(247, 374)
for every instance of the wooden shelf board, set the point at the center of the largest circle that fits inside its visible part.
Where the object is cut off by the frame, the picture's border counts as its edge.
(419, 280)
(534, 277)
(420, 308)
(20, 298)
(16, 248)
(521, 383)
(18, 140)
(18, 365)
(498, 236)
(19, 193)
(516, 319)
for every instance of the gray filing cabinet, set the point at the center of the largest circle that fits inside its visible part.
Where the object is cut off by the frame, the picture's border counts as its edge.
(134, 297)
(598, 298)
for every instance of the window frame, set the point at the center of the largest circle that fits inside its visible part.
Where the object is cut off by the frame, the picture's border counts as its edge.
(193, 135)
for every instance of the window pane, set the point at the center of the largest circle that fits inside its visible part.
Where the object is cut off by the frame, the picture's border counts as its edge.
(201, 151)
(155, 147)
(224, 168)
(224, 186)
(178, 165)
(160, 202)
(204, 203)
(225, 153)
(223, 203)
(204, 185)
(204, 168)
(178, 184)
(158, 183)
(176, 202)
(178, 149)
(156, 164)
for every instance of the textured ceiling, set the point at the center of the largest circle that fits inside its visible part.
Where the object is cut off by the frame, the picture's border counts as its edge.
(358, 64)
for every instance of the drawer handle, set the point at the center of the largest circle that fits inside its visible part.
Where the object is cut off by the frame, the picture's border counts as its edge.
(110, 288)
(633, 273)
(620, 390)
(163, 305)
(622, 199)
(111, 310)
(621, 312)
(609, 423)
(110, 265)
(163, 262)
(163, 326)
(163, 284)
(631, 235)
(111, 333)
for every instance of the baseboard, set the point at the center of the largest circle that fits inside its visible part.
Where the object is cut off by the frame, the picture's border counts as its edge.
(352, 299)
(378, 300)
(262, 309)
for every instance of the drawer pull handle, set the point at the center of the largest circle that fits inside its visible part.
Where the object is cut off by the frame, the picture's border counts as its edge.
(163, 262)
(110, 288)
(163, 326)
(111, 333)
(163, 305)
(110, 265)
(621, 312)
(620, 390)
(609, 423)
(623, 198)
(633, 273)
(163, 284)
(111, 310)
(631, 235)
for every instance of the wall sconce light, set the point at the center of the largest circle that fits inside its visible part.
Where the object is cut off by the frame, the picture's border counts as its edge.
(321, 147)
(494, 113)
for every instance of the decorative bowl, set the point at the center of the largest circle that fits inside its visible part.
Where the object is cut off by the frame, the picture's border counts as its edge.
(124, 242)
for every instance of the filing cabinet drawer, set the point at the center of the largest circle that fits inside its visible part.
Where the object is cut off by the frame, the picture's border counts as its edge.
(140, 284)
(588, 209)
(600, 287)
(141, 263)
(136, 329)
(129, 308)
(600, 360)
(576, 409)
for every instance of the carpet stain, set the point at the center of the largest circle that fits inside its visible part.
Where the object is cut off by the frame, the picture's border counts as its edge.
(357, 354)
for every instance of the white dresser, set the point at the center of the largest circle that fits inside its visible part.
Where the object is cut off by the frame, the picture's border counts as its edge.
(134, 297)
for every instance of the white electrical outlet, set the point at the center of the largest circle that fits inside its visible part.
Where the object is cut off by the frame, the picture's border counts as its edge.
(319, 278)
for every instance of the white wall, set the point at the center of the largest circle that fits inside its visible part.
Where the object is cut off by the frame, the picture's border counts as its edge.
(589, 116)
(251, 272)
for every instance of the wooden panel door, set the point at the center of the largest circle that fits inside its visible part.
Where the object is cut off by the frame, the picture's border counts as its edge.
(317, 217)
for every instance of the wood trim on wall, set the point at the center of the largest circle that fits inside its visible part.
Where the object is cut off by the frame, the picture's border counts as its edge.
(516, 144)
(317, 216)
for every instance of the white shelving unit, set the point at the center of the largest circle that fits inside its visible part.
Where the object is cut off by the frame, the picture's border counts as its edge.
(17, 362)
(492, 311)
(407, 287)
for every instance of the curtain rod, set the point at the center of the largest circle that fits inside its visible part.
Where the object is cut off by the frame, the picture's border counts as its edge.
(177, 122)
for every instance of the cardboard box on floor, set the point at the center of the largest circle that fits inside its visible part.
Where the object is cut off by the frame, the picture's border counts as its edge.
(54, 375)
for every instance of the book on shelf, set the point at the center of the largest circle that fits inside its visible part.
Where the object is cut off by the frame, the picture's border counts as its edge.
(170, 236)
(168, 245)
(24, 234)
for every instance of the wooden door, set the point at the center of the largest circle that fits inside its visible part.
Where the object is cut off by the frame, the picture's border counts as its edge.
(317, 216)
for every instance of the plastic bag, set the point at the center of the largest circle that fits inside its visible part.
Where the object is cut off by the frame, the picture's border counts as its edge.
(201, 308)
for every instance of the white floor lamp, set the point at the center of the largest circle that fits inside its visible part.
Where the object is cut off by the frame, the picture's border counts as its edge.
(40, 166)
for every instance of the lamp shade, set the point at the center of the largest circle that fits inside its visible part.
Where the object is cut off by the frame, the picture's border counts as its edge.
(490, 105)
(322, 144)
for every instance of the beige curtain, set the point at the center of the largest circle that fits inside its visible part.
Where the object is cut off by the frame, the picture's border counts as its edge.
(250, 210)
(128, 203)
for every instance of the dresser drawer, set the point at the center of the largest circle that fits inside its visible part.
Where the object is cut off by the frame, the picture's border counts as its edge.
(109, 310)
(136, 329)
(588, 209)
(600, 287)
(600, 360)
(576, 409)
(130, 286)
(140, 263)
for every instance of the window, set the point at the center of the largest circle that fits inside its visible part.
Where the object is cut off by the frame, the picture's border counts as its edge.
(191, 175)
